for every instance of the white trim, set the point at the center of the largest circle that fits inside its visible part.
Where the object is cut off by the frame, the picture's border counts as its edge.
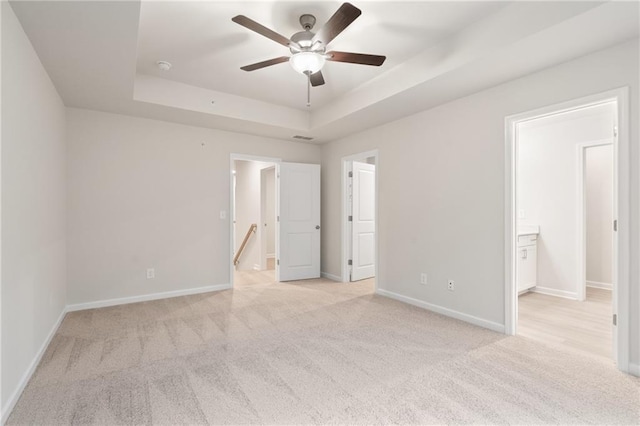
(443, 311)
(344, 225)
(271, 255)
(555, 292)
(510, 286)
(331, 277)
(581, 210)
(146, 297)
(620, 299)
(634, 369)
(244, 157)
(13, 399)
(596, 284)
(262, 234)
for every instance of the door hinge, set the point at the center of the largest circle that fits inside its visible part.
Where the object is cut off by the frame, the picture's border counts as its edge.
(278, 261)
(615, 319)
(278, 218)
(615, 131)
(350, 219)
(615, 225)
(349, 262)
(350, 174)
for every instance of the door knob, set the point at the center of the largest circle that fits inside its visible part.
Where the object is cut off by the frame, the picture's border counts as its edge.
(317, 226)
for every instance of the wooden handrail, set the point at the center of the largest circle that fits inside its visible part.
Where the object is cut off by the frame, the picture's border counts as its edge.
(252, 229)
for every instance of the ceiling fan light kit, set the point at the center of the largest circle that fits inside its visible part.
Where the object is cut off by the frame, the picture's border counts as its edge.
(308, 49)
(307, 62)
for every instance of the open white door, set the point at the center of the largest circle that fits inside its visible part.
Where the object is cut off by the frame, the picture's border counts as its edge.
(299, 216)
(363, 221)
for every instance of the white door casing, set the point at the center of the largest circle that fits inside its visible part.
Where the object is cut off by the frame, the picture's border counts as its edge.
(621, 249)
(363, 221)
(299, 219)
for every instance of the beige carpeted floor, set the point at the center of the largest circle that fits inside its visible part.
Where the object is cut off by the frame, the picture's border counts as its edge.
(309, 352)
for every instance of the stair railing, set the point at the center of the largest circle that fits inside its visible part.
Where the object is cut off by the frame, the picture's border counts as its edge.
(252, 230)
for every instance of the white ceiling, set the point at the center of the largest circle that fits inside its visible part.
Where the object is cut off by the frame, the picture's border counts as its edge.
(207, 49)
(101, 55)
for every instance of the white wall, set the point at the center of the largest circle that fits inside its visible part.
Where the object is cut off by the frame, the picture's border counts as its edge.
(248, 211)
(145, 193)
(441, 193)
(599, 214)
(33, 206)
(547, 191)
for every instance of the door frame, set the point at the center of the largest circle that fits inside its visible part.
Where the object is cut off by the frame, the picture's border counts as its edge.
(346, 226)
(622, 206)
(232, 207)
(263, 214)
(581, 208)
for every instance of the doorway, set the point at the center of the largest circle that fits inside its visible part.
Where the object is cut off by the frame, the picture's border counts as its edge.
(549, 235)
(360, 226)
(257, 186)
(254, 222)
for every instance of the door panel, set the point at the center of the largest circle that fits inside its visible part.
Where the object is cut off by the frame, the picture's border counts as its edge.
(363, 221)
(299, 212)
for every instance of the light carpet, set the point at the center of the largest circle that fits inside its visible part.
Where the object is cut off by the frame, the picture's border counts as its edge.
(307, 353)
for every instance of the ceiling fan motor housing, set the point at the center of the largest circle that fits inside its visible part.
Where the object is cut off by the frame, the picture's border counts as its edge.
(303, 39)
(307, 21)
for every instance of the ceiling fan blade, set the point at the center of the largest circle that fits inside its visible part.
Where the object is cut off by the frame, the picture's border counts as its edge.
(317, 79)
(267, 63)
(262, 30)
(344, 16)
(356, 58)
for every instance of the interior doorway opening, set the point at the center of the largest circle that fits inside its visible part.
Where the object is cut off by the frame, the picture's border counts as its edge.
(360, 225)
(566, 202)
(253, 221)
(275, 220)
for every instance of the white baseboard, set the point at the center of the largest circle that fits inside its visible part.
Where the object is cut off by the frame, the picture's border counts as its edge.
(634, 369)
(444, 311)
(554, 292)
(13, 399)
(256, 267)
(331, 277)
(145, 297)
(596, 284)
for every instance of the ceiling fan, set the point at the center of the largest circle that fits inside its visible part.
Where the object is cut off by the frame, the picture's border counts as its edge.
(308, 49)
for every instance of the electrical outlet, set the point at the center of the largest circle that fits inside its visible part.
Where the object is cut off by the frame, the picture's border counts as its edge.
(151, 273)
(451, 285)
(423, 278)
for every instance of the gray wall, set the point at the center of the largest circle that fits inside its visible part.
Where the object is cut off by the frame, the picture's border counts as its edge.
(441, 194)
(33, 205)
(145, 193)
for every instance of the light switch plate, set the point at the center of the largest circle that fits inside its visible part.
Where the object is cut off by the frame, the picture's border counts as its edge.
(223, 214)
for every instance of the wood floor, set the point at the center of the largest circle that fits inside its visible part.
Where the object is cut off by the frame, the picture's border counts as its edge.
(584, 326)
